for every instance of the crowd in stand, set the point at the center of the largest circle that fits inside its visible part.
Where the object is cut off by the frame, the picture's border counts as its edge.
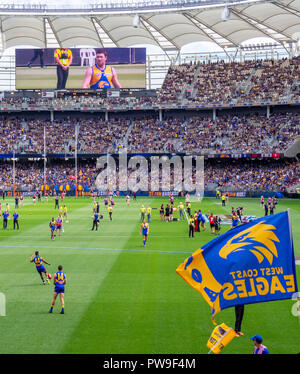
(273, 80)
(249, 81)
(31, 136)
(227, 133)
(102, 136)
(253, 175)
(178, 79)
(238, 175)
(220, 82)
(30, 175)
(152, 135)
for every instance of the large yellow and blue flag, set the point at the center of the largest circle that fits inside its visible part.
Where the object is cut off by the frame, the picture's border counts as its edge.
(251, 263)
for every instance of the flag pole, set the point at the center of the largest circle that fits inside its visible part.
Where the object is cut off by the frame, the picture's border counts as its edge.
(107, 160)
(76, 141)
(292, 246)
(45, 161)
(14, 174)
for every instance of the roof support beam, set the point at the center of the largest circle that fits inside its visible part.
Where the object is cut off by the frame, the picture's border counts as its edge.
(287, 8)
(147, 21)
(2, 46)
(254, 22)
(96, 30)
(54, 32)
(106, 31)
(199, 24)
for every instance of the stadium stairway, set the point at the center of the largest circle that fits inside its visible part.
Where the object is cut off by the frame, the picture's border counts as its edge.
(294, 149)
(245, 85)
(124, 142)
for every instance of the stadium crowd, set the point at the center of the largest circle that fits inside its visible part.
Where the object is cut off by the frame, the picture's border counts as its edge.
(253, 176)
(248, 81)
(237, 175)
(227, 133)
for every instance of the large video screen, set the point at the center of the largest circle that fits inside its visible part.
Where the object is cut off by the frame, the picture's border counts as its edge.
(77, 68)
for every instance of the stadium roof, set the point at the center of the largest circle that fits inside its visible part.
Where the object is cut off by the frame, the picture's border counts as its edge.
(156, 23)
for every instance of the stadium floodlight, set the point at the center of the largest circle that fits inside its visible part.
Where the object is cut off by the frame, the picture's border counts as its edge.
(225, 14)
(136, 21)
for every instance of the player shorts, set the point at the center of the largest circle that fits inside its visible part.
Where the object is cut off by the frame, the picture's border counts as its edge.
(59, 288)
(41, 269)
(145, 233)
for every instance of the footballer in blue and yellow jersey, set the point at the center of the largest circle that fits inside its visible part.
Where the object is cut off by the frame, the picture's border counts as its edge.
(101, 78)
(100, 75)
(235, 221)
(52, 228)
(38, 261)
(144, 230)
(59, 280)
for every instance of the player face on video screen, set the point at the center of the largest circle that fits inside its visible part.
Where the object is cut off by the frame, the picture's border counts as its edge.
(101, 59)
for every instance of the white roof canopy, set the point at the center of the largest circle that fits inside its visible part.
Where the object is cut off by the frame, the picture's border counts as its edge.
(168, 29)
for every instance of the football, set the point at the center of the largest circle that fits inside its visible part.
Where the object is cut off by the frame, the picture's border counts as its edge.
(49, 276)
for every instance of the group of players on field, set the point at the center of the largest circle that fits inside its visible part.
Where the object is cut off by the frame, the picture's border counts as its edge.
(196, 222)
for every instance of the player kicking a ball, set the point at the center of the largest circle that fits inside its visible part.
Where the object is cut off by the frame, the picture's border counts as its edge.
(59, 280)
(38, 261)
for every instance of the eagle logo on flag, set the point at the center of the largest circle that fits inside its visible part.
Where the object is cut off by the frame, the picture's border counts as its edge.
(251, 263)
(259, 239)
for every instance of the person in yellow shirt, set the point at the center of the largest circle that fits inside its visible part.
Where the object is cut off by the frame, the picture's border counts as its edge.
(191, 226)
(149, 210)
(143, 211)
(64, 59)
(110, 210)
(181, 210)
(223, 200)
(65, 214)
(94, 206)
(189, 208)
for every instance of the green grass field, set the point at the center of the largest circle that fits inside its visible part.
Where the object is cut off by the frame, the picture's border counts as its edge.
(122, 298)
(129, 76)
